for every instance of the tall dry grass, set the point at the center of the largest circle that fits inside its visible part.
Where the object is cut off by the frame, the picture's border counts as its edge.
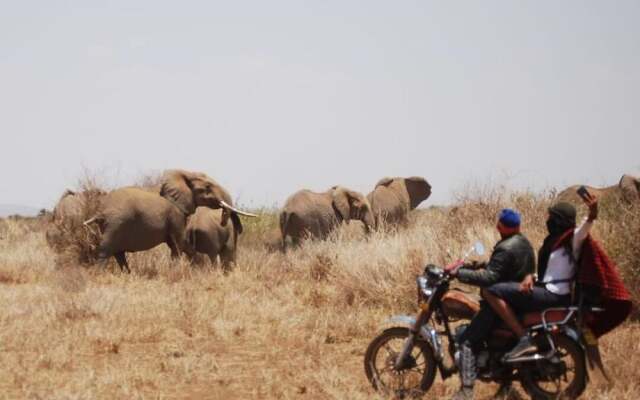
(278, 326)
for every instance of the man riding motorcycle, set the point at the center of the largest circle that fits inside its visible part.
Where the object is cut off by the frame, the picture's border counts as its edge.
(511, 261)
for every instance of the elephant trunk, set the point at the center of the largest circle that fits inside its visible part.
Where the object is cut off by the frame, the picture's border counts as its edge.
(368, 220)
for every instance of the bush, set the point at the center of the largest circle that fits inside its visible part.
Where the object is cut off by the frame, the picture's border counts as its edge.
(71, 240)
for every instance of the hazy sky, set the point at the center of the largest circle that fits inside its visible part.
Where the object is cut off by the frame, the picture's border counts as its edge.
(269, 97)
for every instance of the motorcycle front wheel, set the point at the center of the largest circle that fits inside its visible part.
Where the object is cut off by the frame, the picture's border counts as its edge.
(565, 377)
(412, 381)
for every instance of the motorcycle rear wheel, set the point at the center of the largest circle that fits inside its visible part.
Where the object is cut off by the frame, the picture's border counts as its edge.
(380, 358)
(574, 378)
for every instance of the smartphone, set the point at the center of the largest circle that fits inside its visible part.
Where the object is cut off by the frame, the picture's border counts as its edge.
(583, 192)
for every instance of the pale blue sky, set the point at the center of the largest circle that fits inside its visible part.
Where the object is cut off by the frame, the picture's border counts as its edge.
(270, 97)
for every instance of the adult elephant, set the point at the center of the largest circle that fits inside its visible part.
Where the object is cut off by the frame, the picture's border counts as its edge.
(627, 189)
(393, 198)
(310, 214)
(69, 213)
(209, 232)
(133, 219)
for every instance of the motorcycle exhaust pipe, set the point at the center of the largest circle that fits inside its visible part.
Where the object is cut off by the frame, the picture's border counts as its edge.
(534, 357)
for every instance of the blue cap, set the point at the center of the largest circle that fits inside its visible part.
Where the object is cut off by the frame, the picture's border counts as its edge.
(509, 218)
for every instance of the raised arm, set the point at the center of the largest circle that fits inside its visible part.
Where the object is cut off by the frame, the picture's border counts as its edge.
(583, 230)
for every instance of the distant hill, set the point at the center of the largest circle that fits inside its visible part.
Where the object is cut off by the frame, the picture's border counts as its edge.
(12, 209)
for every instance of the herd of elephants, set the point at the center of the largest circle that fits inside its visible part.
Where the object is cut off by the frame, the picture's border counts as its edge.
(192, 213)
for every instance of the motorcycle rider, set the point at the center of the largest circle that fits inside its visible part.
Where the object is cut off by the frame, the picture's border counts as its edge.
(557, 268)
(512, 260)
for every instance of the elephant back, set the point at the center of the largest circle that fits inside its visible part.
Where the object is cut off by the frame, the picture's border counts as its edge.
(306, 201)
(605, 195)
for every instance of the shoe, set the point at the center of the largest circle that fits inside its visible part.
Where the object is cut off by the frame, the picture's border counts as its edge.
(524, 346)
(464, 393)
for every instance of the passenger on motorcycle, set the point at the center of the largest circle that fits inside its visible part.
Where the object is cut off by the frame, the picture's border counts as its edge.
(557, 261)
(511, 261)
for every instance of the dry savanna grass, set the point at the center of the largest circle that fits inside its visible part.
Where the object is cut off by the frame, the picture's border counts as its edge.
(277, 327)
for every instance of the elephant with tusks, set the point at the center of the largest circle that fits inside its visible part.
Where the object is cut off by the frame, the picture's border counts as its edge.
(133, 219)
(393, 198)
(308, 214)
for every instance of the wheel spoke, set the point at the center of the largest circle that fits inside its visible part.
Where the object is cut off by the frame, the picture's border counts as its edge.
(389, 349)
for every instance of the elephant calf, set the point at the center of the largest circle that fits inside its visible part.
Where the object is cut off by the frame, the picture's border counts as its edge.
(209, 232)
(310, 214)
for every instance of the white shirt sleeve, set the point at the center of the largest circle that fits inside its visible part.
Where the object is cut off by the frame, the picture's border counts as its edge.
(579, 235)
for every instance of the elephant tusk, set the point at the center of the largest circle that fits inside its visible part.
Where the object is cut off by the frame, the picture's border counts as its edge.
(235, 210)
(89, 221)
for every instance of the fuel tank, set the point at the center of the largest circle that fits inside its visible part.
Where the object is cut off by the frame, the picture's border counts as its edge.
(460, 305)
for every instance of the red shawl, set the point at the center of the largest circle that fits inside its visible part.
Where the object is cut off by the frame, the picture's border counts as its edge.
(597, 270)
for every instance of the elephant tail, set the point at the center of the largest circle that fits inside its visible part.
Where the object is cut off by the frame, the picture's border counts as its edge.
(191, 237)
(284, 225)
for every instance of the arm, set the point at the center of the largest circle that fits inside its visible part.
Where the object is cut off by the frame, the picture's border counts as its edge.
(582, 231)
(495, 270)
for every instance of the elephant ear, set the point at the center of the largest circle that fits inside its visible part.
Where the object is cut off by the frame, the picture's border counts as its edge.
(630, 187)
(384, 182)
(341, 204)
(177, 189)
(66, 193)
(419, 190)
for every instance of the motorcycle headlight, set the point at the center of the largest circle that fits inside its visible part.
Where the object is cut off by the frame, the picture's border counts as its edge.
(424, 290)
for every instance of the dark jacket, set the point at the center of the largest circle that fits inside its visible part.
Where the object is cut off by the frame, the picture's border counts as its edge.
(512, 259)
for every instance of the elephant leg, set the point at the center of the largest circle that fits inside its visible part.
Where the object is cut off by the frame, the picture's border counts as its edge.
(104, 252)
(173, 246)
(213, 258)
(121, 258)
(228, 258)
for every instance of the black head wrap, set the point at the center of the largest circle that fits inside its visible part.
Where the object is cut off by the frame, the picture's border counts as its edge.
(562, 218)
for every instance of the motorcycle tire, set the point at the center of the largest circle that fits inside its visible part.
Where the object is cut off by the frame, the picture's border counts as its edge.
(424, 371)
(569, 350)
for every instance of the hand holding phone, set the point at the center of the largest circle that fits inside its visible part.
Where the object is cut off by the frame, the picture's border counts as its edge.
(583, 193)
(590, 200)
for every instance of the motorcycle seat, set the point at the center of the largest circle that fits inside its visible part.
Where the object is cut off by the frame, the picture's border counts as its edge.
(531, 319)
(535, 318)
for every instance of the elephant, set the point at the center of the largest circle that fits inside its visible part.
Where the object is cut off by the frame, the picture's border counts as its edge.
(69, 213)
(393, 198)
(627, 189)
(209, 232)
(134, 219)
(311, 214)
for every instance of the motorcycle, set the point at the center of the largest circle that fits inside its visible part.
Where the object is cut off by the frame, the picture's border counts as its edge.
(403, 360)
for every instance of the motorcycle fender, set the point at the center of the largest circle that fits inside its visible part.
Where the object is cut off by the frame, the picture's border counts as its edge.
(427, 333)
(591, 352)
(574, 335)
